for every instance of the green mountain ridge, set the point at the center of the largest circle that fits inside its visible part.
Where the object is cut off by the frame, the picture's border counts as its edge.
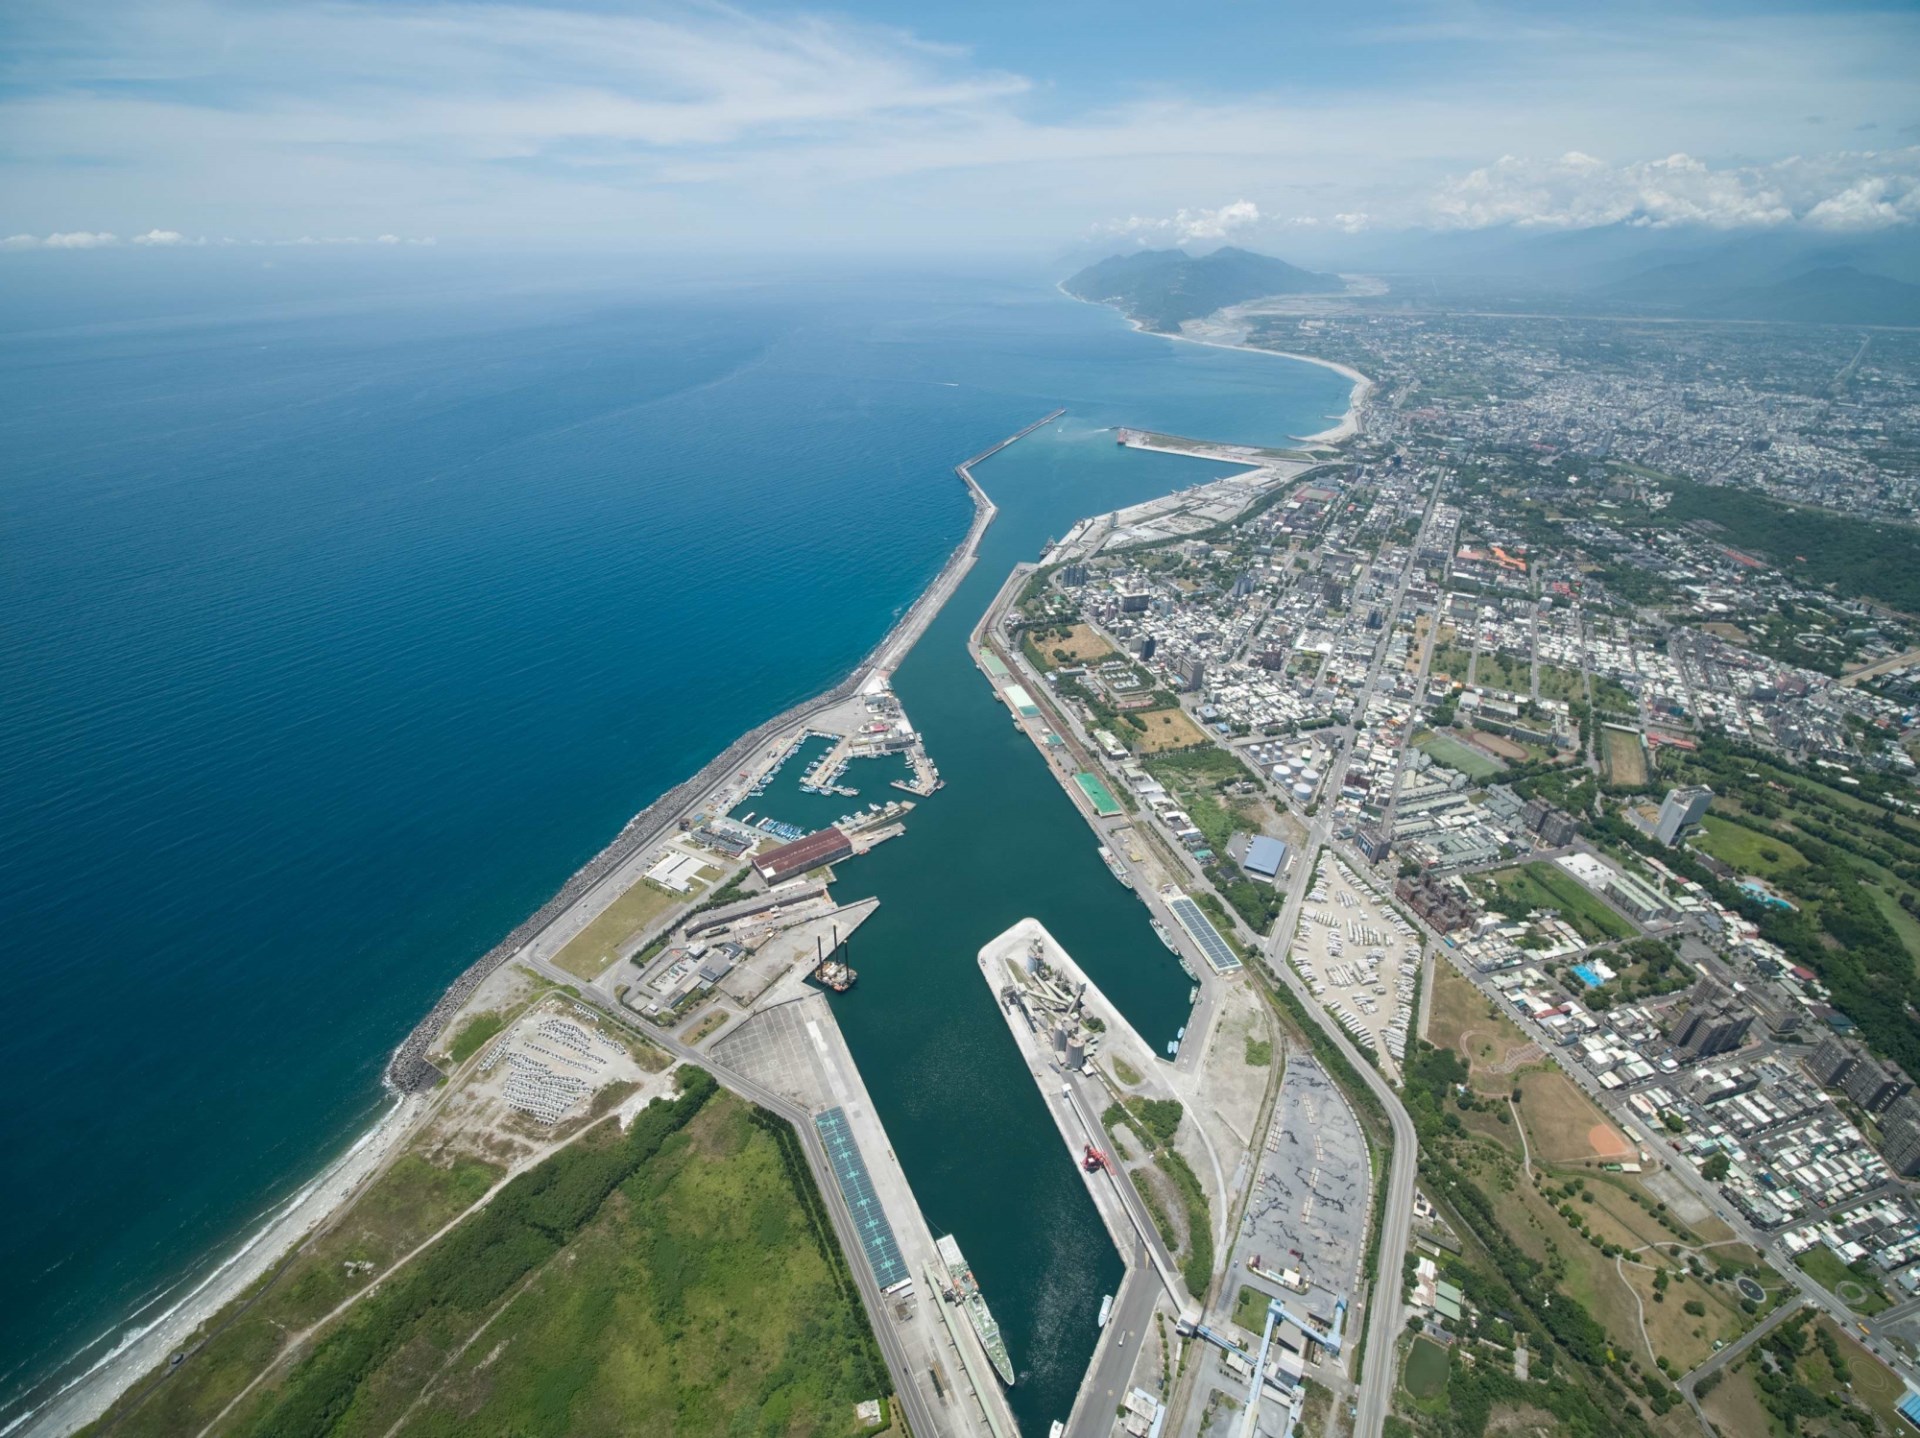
(1160, 289)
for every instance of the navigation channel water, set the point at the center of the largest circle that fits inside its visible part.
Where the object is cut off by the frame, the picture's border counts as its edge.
(341, 627)
(1000, 843)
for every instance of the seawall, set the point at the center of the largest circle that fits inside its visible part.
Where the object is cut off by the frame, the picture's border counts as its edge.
(408, 1070)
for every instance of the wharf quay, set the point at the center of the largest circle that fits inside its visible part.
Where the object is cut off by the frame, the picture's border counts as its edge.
(1075, 1096)
(1063, 743)
(617, 867)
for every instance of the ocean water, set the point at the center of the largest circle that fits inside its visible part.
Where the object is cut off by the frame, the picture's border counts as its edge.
(338, 627)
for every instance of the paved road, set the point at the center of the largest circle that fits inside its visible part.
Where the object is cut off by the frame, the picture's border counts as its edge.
(1131, 1322)
(1689, 1383)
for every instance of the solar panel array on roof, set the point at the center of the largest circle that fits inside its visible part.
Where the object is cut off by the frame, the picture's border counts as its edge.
(1212, 946)
(869, 1219)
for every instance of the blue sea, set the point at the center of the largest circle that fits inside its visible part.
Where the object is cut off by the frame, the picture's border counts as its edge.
(346, 610)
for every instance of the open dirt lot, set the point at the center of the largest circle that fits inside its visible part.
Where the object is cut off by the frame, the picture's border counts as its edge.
(1166, 729)
(1081, 646)
(1562, 1123)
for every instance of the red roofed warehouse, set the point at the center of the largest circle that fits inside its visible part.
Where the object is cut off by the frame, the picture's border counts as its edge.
(829, 846)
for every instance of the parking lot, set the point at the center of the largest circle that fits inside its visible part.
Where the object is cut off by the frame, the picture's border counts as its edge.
(1359, 958)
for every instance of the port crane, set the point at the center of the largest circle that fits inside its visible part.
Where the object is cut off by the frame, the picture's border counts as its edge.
(1331, 1338)
(1095, 1160)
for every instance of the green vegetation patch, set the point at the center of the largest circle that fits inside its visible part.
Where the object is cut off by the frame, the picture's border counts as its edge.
(472, 1034)
(1854, 1285)
(683, 1270)
(1747, 850)
(1544, 885)
(1250, 1308)
(1856, 556)
(1259, 1052)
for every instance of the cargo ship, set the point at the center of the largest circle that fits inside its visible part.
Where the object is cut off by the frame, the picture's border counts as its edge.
(963, 1290)
(1114, 866)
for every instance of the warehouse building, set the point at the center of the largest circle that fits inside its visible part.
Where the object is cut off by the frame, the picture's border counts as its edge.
(829, 846)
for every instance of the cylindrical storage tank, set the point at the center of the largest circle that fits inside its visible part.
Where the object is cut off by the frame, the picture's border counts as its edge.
(1281, 773)
(1060, 1038)
(1076, 1055)
(1309, 776)
(1303, 791)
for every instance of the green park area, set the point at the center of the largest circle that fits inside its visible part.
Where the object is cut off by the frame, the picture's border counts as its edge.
(1544, 885)
(665, 1279)
(1854, 1285)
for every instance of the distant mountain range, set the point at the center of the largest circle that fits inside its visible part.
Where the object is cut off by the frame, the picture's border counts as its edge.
(1161, 288)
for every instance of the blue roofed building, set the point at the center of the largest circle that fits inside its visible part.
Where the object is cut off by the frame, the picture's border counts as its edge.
(1265, 857)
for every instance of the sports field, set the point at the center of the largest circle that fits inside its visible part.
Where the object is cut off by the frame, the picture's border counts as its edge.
(1443, 749)
(1626, 757)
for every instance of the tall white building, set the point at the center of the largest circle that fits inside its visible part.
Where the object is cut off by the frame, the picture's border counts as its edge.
(1682, 809)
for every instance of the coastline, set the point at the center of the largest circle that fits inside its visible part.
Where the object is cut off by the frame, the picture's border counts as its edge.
(1347, 426)
(409, 1075)
(84, 1398)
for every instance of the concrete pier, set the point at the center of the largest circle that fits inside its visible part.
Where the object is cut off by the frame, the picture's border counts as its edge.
(794, 1047)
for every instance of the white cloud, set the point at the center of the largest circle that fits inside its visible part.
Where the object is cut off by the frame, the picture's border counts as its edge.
(669, 123)
(163, 238)
(1847, 191)
(60, 240)
(1186, 226)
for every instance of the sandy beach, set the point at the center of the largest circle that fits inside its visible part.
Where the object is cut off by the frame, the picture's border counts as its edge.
(1224, 330)
(145, 1348)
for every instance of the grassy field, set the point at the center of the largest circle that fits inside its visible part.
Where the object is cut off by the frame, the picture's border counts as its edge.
(1864, 1296)
(1444, 749)
(1558, 683)
(402, 1207)
(1544, 885)
(1626, 757)
(1609, 695)
(1745, 850)
(1509, 672)
(1904, 924)
(1459, 1019)
(704, 1284)
(1250, 1308)
(698, 1294)
(1166, 729)
(1450, 660)
(588, 952)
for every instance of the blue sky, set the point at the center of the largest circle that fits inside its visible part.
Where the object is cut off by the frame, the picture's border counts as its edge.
(990, 124)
